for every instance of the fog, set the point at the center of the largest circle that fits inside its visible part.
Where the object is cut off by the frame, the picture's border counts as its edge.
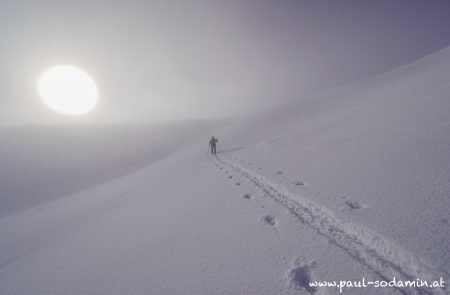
(169, 60)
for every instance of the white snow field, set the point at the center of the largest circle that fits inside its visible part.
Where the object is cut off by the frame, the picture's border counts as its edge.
(347, 185)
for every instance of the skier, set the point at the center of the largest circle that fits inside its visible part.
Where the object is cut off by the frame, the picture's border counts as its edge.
(212, 143)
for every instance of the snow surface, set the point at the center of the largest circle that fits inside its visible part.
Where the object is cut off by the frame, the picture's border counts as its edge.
(351, 183)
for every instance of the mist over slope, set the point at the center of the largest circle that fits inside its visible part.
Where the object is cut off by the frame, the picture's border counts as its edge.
(350, 183)
(45, 162)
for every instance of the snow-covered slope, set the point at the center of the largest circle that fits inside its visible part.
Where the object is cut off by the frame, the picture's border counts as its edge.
(43, 163)
(383, 143)
(350, 184)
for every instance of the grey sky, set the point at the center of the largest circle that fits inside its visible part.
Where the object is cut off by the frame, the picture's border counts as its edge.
(168, 59)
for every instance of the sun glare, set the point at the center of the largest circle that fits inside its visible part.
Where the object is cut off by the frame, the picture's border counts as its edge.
(68, 90)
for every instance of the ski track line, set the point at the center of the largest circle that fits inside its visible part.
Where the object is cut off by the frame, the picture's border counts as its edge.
(370, 249)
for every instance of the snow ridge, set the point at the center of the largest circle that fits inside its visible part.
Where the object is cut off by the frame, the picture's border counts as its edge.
(379, 254)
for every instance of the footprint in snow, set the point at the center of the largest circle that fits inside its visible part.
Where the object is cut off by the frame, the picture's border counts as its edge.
(354, 205)
(350, 205)
(269, 219)
(300, 275)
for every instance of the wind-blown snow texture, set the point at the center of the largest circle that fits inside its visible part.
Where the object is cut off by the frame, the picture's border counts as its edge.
(351, 183)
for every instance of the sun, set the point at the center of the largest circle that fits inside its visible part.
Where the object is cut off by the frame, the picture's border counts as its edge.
(68, 90)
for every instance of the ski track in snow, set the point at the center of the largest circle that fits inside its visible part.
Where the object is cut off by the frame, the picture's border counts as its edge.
(385, 258)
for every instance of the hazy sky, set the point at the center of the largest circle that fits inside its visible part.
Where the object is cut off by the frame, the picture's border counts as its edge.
(167, 59)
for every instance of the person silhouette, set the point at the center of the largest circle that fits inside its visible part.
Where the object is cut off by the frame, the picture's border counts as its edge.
(212, 144)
